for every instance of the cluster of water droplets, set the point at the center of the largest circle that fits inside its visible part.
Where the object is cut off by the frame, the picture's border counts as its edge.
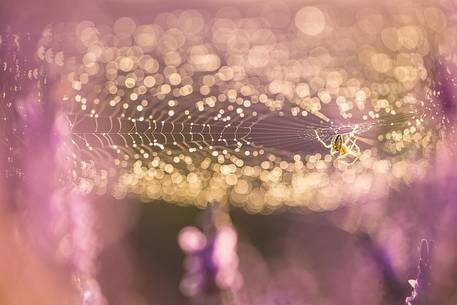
(201, 105)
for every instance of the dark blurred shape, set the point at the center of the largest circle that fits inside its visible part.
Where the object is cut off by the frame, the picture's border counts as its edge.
(444, 78)
(394, 289)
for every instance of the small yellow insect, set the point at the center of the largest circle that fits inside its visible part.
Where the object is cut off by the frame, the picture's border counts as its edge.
(344, 147)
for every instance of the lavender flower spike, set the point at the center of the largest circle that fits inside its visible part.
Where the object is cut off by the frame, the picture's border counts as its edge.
(420, 284)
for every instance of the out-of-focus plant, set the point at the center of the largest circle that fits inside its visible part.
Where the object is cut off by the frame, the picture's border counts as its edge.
(419, 294)
(212, 259)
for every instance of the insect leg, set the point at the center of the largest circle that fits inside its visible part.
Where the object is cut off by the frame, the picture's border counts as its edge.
(322, 142)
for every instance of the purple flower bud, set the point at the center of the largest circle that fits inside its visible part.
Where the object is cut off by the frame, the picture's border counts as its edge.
(212, 260)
